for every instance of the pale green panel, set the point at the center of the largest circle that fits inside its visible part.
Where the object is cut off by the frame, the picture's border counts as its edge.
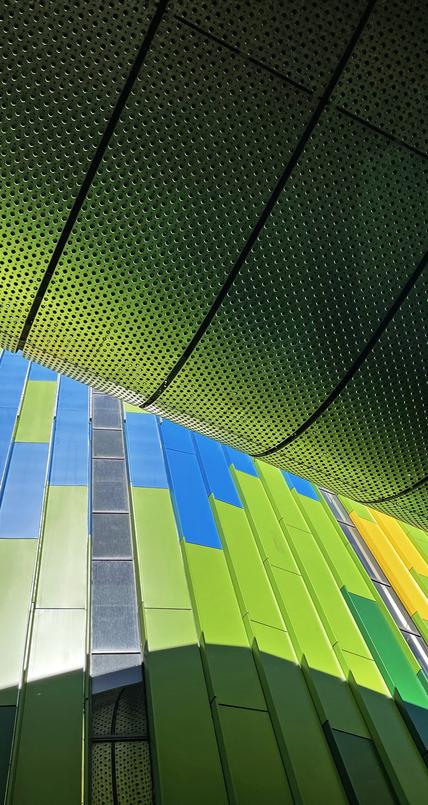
(35, 419)
(49, 758)
(160, 563)
(63, 568)
(17, 561)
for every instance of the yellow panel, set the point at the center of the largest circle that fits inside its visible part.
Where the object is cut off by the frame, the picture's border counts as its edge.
(393, 567)
(401, 542)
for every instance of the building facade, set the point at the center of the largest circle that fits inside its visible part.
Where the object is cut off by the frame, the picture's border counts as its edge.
(182, 624)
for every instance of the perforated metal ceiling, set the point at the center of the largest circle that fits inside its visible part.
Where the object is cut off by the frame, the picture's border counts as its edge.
(218, 210)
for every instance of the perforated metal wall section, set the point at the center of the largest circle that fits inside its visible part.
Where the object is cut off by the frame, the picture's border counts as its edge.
(218, 211)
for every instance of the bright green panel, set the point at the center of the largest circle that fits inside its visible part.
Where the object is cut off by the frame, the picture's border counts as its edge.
(7, 722)
(230, 666)
(280, 496)
(361, 769)
(362, 671)
(63, 568)
(49, 757)
(186, 761)
(17, 560)
(421, 580)
(386, 650)
(35, 419)
(358, 508)
(261, 515)
(160, 563)
(331, 694)
(245, 564)
(303, 622)
(422, 625)
(401, 758)
(319, 580)
(296, 723)
(252, 762)
(339, 558)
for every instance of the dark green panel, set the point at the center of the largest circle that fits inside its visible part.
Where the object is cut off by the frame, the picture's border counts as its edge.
(360, 768)
(7, 723)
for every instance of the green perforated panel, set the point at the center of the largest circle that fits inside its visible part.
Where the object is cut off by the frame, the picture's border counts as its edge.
(218, 210)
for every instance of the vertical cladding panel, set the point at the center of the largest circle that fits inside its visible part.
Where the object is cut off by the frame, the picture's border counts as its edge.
(7, 723)
(336, 553)
(62, 576)
(161, 570)
(145, 455)
(13, 371)
(193, 510)
(248, 573)
(70, 455)
(297, 726)
(266, 528)
(239, 460)
(364, 777)
(253, 765)
(38, 372)
(394, 568)
(402, 544)
(35, 419)
(49, 757)
(215, 470)
(21, 505)
(187, 764)
(231, 671)
(301, 486)
(17, 565)
(418, 538)
(280, 496)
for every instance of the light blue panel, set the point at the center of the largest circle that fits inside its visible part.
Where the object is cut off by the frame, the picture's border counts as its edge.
(215, 470)
(7, 421)
(192, 506)
(73, 395)
(70, 455)
(13, 369)
(300, 485)
(175, 437)
(145, 455)
(239, 460)
(38, 372)
(21, 505)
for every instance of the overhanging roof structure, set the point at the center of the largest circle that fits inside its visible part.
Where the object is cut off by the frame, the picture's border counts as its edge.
(218, 212)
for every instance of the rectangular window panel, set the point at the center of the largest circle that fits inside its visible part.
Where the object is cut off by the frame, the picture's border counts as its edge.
(107, 443)
(106, 412)
(419, 648)
(21, 506)
(400, 615)
(114, 608)
(109, 487)
(111, 536)
(110, 671)
(336, 507)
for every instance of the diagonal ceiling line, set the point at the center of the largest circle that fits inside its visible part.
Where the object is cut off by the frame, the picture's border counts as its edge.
(396, 495)
(357, 363)
(90, 175)
(268, 208)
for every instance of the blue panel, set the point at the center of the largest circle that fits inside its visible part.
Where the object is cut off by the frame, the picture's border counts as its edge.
(13, 369)
(7, 421)
(70, 455)
(72, 395)
(146, 461)
(216, 471)
(175, 437)
(300, 485)
(38, 372)
(239, 460)
(191, 501)
(21, 506)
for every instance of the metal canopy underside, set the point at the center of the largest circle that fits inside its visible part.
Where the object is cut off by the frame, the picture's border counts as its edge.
(217, 210)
